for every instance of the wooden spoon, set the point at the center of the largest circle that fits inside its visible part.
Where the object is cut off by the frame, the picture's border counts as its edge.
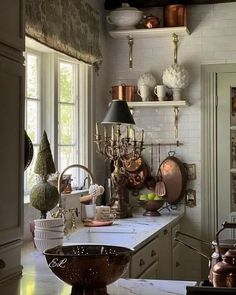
(160, 188)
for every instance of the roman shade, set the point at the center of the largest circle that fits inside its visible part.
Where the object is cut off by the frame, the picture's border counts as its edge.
(68, 26)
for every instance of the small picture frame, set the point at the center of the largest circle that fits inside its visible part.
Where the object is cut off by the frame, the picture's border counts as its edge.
(191, 170)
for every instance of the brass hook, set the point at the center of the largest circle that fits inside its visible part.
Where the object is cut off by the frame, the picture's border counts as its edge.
(175, 41)
(176, 111)
(130, 43)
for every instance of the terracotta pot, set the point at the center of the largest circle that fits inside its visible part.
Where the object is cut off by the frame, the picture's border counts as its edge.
(175, 16)
(124, 92)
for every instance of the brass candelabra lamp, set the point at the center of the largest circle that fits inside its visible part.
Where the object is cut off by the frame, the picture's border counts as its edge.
(117, 148)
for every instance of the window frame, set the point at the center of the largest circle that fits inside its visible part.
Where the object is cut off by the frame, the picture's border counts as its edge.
(84, 107)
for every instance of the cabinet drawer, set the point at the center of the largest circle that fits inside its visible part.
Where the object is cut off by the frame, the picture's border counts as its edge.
(144, 258)
(10, 261)
(173, 230)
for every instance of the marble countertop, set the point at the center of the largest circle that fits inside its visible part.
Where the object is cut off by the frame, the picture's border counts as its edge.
(128, 232)
(133, 232)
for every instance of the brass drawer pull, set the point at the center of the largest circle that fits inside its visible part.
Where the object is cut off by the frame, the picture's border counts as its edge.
(153, 253)
(141, 262)
(2, 264)
(165, 231)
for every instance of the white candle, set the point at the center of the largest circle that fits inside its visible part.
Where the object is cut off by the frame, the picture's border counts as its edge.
(142, 137)
(105, 132)
(127, 129)
(112, 132)
(97, 130)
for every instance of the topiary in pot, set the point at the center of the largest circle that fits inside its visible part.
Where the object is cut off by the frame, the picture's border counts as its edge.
(43, 195)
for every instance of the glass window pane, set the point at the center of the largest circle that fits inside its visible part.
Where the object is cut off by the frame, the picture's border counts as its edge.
(32, 76)
(65, 156)
(30, 176)
(66, 124)
(32, 122)
(66, 82)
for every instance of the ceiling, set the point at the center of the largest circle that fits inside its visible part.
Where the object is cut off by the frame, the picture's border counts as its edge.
(111, 4)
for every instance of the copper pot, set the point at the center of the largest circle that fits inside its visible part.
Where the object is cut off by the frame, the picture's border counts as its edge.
(175, 15)
(124, 92)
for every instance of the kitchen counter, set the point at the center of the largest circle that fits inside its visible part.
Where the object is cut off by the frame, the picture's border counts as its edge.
(133, 232)
(128, 232)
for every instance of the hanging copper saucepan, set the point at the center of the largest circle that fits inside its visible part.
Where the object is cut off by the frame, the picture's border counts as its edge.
(174, 175)
(219, 247)
(137, 172)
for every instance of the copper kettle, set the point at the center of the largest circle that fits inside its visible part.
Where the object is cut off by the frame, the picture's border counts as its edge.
(220, 247)
(224, 272)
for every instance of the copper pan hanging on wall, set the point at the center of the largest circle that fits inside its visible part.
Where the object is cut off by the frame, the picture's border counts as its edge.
(174, 175)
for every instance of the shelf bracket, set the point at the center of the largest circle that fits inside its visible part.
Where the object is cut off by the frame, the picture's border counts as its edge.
(176, 121)
(130, 43)
(175, 41)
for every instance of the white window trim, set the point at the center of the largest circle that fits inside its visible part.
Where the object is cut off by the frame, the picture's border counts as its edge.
(85, 105)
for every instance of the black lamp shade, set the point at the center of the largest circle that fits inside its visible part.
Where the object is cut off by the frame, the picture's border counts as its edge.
(118, 113)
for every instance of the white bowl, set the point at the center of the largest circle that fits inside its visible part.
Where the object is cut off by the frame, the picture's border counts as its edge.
(52, 229)
(45, 234)
(125, 17)
(48, 223)
(43, 244)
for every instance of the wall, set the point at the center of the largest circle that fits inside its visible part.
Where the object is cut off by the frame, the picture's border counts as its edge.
(212, 41)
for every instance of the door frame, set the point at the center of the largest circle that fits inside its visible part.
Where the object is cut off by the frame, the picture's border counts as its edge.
(209, 146)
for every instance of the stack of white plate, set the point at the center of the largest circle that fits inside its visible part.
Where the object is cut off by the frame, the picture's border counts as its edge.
(48, 233)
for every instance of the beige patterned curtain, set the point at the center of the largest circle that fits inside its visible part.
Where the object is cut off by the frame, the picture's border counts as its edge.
(68, 26)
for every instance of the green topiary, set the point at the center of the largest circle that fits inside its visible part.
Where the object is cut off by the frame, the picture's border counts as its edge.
(43, 195)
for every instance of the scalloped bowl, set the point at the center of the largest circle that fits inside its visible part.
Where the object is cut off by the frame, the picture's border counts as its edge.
(151, 207)
(88, 268)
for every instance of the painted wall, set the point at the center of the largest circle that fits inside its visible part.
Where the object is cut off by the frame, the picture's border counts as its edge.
(212, 41)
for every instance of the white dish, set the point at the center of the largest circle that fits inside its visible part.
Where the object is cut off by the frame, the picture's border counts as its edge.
(51, 229)
(45, 234)
(43, 244)
(125, 17)
(48, 223)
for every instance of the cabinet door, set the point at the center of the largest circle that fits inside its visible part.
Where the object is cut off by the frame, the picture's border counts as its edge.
(11, 149)
(151, 273)
(165, 255)
(12, 23)
(176, 263)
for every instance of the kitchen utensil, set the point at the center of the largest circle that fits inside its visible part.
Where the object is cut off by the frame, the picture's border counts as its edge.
(224, 272)
(174, 175)
(124, 92)
(88, 268)
(151, 21)
(151, 181)
(175, 15)
(136, 179)
(144, 92)
(125, 17)
(219, 247)
(160, 188)
(160, 91)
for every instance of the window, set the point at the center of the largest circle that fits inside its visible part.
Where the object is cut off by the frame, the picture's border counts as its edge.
(56, 100)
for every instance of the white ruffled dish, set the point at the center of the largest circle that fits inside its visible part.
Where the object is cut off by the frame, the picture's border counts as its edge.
(43, 244)
(45, 234)
(49, 223)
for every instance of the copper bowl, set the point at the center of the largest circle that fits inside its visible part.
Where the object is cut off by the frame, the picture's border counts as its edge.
(88, 268)
(151, 207)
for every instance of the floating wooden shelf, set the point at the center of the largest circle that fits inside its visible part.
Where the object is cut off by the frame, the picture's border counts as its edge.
(149, 33)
